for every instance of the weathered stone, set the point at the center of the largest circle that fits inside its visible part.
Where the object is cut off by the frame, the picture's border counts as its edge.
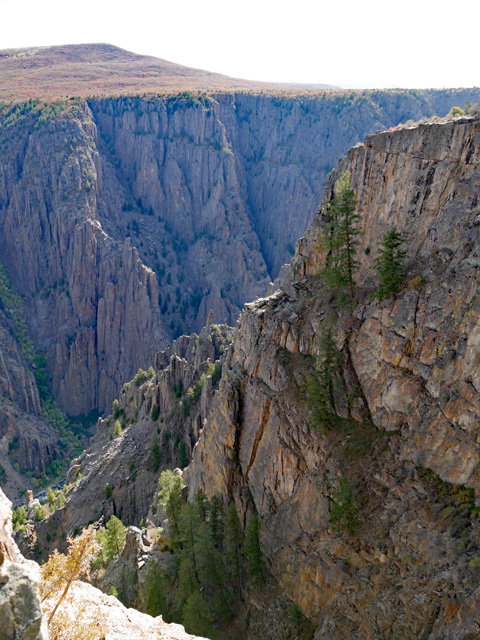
(411, 363)
(20, 610)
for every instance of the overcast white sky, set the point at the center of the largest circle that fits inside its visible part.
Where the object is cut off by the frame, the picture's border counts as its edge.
(362, 43)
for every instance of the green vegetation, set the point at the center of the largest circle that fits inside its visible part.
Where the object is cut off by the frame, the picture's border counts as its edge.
(141, 376)
(212, 559)
(389, 265)
(341, 237)
(319, 384)
(455, 504)
(108, 491)
(456, 111)
(296, 616)
(115, 409)
(344, 510)
(19, 517)
(117, 429)
(155, 413)
(252, 550)
(14, 309)
(39, 515)
(182, 455)
(155, 455)
(193, 393)
(111, 540)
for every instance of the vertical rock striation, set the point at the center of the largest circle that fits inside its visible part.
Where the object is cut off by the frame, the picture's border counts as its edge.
(123, 222)
(408, 395)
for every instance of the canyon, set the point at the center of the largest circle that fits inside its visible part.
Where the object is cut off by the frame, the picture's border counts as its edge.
(406, 398)
(125, 221)
(129, 221)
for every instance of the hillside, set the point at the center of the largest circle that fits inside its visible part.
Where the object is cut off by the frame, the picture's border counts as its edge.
(102, 69)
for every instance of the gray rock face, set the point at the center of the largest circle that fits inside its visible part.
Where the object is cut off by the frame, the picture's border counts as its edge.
(20, 610)
(211, 193)
(27, 440)
(181, 390)
(408, 387)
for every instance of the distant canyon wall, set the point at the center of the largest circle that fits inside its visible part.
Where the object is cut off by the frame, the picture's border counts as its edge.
(123, 222)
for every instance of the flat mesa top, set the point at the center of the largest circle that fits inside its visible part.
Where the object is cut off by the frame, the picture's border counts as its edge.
(95, 69)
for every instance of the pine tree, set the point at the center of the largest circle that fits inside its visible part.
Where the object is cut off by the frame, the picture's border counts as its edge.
(252, 550)
(187, 582)
(50, 498)
(117, 430)
(107, 490)
(389, 264)
(343, 229)
(114, 537)
(216, 520)
(197, 617)
(155, 413)
(319, 384)
(170, 497)
(202, 505)
(115, 409)
(233, 544)
(344, 510)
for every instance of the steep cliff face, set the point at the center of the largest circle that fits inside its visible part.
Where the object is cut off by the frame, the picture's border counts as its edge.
(20, 609)
(160, 416)
(408, 394)
(125, 221)
(28, 443)
(92, 305)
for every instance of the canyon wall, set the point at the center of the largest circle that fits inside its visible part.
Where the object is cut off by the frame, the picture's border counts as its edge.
(407, 395)
(125, 221)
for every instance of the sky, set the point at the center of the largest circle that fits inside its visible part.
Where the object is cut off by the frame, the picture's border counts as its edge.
(361, 44)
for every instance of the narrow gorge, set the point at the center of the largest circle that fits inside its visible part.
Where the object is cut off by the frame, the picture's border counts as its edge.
(406, 397)
(139, 238)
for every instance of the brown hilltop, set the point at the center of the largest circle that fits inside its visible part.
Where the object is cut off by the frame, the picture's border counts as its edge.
(92, 69)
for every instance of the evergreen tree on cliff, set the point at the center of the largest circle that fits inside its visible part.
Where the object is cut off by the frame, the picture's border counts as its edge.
(342, 233)
(389, 265)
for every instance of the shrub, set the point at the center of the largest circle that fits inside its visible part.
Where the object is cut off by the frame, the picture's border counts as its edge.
(115, 409)
(108, 491)
(140, 377)
(154, 414)
(344, 511)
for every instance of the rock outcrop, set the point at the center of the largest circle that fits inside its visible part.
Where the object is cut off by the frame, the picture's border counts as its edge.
(160, 416)
(113, 620)
(210, 192)
(28, 442)
(85, 610)
(20, 610)
(408, 396)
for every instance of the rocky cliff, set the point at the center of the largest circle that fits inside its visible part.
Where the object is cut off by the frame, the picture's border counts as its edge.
(125, 221)
(406, 399)
(85, 610)
(408, 396)
(20, 610)
(160, 415)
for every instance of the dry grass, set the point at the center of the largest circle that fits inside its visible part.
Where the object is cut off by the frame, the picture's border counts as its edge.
(96, 69)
